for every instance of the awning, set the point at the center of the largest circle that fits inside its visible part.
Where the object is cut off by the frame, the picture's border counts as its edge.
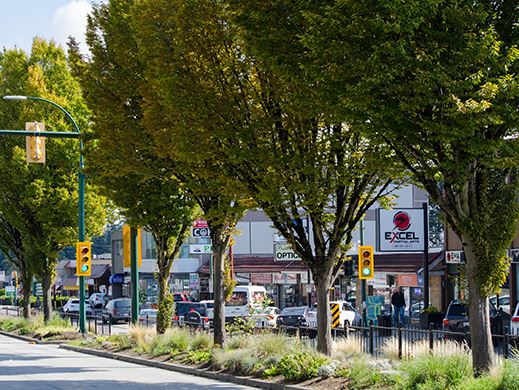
(71, 283)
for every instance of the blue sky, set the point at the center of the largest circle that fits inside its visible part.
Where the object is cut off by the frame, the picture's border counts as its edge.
(22, 20)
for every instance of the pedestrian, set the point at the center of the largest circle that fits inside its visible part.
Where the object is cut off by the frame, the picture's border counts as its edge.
(398, 302)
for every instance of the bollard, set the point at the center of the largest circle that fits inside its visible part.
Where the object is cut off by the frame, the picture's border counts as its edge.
(431, 337)
(399, 333)
(371, 347)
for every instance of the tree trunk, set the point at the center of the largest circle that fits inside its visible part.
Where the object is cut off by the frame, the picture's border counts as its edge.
(218, 249)
(165, 305)
(480, 335)
(324, 332)
(26, 283)
(46, 281)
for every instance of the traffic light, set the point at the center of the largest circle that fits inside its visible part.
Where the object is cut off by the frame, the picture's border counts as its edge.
(366, 262)
(127, 246)
(14, 276)
(35, 146)
(83, 258)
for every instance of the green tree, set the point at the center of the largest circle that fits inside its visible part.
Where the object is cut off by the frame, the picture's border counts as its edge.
(122, 160)
(11, 244)
(43, 198)
(262, 134)
(435, 80)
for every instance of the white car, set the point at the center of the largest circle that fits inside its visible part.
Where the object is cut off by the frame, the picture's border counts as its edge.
(514, 323)
(348, 315)
(266, 316)
(97, 300)
(72, 306)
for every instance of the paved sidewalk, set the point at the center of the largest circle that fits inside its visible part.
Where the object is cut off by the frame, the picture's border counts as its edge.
(29, 366)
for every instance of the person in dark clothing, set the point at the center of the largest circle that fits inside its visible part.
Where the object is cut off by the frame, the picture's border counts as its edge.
(398, 302)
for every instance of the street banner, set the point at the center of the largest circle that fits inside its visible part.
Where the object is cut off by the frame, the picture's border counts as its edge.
(400, 230)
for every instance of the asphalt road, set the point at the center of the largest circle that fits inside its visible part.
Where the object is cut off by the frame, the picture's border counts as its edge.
(31, 366)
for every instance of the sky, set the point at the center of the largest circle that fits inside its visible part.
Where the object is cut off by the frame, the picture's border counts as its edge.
(22, 20)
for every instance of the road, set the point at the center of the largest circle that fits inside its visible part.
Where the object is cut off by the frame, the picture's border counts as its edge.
(31, 366)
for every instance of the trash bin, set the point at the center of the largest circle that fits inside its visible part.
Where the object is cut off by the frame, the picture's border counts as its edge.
(384, 321)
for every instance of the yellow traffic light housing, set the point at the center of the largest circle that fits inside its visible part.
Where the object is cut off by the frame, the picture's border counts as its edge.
(35, 146)
(366, 262)
(127, 246)
(83, 258)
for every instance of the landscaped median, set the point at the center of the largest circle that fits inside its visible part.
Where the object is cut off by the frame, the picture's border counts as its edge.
(275, 361)
(34, 329)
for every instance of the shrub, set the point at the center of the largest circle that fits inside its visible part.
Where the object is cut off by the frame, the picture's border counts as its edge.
(198, 356)
(201, 341)
(175, 340)
(271, 345)
(436, 372)
(141, 337)
(301, 365)
(347, 346)
(120, 341)
(238, 361)
(511, 375)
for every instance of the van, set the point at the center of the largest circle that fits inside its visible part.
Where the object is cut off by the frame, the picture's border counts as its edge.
(242, 299)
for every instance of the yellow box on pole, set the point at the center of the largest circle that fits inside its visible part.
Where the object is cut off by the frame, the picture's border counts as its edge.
(127, 245)
(35, 146)
(83, 258)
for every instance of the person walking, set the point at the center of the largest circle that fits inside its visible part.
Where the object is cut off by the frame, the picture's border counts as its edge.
(398, 302)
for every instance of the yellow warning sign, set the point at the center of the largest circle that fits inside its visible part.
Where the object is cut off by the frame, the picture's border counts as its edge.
(336, 314)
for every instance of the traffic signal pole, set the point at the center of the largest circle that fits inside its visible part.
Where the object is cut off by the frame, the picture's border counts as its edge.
(363, 281)
(81, 184)
(135, 274)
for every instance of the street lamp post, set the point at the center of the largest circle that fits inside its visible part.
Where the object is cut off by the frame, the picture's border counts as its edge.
(81, 182)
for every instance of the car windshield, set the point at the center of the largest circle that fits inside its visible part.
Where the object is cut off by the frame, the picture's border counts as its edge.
(457, 311)
(293, 311)
(237, 299)
(125, 303)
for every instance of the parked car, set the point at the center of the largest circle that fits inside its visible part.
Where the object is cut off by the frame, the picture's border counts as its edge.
(294, 316)
(147, 316)
(503, 303)
(72, 307)
(242, 299)
(98, 300)
(192, 314)
(265, 316)
(180, 297)
(457, 318)
(117, 310)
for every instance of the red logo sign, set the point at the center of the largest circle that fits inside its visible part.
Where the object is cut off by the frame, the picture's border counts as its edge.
(402, 221)
(200, 223)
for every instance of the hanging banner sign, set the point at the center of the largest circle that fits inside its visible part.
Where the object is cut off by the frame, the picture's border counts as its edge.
(400, 230)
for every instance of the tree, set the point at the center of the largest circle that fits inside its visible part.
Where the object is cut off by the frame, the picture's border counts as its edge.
(195, 159)
(11, 244)
(436, 81)
(261, 133)
(124, 161)
(41, 201)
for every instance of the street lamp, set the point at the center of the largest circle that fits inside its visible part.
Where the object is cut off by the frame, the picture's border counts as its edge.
(81, 180)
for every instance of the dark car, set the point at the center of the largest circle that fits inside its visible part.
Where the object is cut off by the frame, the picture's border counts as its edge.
(192, 314)
(293, 317)
(457, 318)
(117, 310)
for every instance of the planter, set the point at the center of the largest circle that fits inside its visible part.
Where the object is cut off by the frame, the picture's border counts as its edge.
(431, 318)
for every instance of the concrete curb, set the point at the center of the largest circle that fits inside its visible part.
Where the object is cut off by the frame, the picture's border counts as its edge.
(239, 380)
(31, 340)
